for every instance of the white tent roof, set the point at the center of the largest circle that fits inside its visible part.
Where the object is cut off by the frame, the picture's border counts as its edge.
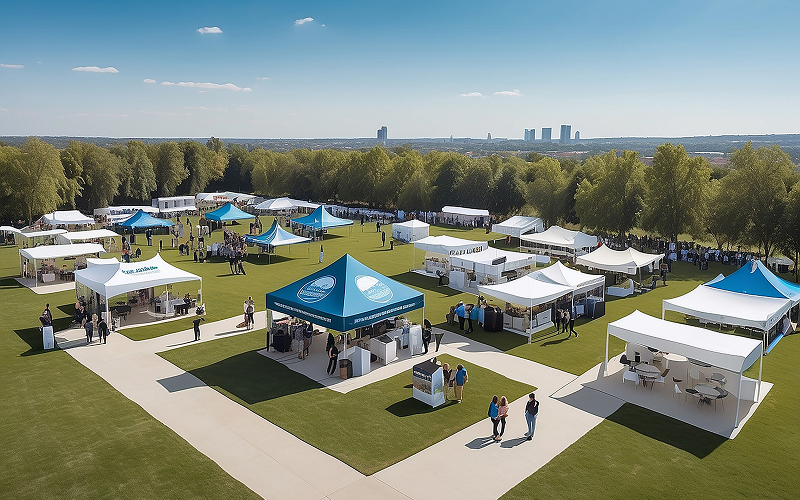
(449, 245)
(101, 262)
(125, 210)
(729, 352)
(67, 217)
(621, 261)
(10, 229)
(49, 232)
(518, 225)
(730, 308)
(86, 235)
(481, 262)
(114, 279)
(187, 208)
(284, 204)
(560, 274)
(61, 251)
(224, 196)
(557, 236)
(469, 212)
(526, 291)
(413, 223)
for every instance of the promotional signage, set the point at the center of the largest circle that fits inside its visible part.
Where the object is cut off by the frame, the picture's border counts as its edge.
(427, 380)
(316, 290)
(374, 289)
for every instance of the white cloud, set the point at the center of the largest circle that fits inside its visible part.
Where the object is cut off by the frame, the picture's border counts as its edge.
(514, 92)
(264, 78)
(149, 80)
(205, 30)
(3, 110)
(247, 109)
(208, 86)
(472, 94)
(96, 69)
(12, 66)
(322, 25)
(303, 21)
(205, 108)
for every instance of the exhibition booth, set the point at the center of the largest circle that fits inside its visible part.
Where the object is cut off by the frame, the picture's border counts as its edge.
(461, 216)
(489, 267)
(66, 218)
(138, 292)
(284, 205)
(438, 250)
(40, 263)
(558, 242)
(204, 200)
(354, 303)
(318, 221)
(588, 297)
(228, 213)
(518, 225)
(33, 238)
(275, 237)
(116, 214)
(172, 205)
(101, 236)
(628, 261)
(410, 231)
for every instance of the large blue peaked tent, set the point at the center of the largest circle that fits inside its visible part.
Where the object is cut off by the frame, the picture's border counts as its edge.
(276, 236)
(142, 219)
(321, 219)
(228, 212)
(344, 296)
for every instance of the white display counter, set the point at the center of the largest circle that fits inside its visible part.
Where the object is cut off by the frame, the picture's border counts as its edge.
(48, 342)
(386, 351)
(415, 339)
(360, 359)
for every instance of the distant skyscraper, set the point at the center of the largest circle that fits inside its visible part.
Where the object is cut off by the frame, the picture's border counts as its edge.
(566, 133)
(382, 134)
(489, 136)
(577, 135)
(547, 134)
(451, 137)
(530, 134)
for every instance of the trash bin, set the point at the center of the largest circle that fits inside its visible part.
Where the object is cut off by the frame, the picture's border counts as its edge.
(345, 369)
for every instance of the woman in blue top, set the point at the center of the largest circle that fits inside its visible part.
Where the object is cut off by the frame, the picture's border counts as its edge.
(493, 412)
(473, 315)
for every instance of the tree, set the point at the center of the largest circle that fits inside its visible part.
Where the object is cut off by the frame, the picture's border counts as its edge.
(473, 187)
(677, 194)
(416, 193)
(10, 157)
(545, 189)
(73, 171)
(197, 161)
(167, 160)
(36, 178)
(506, 194)
(143, 176)
(403, 166)
(102, 173)
(613, 201)
(724, 222)
(790, 243)
(262, 166)
(447, 178)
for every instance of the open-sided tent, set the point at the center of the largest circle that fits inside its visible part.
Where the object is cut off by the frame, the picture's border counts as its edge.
(143, 220)
(559, 242)
(78, 236)
(67, 218)
(628, 261)
(33, 238)
(283, 204)
(491, 263)
(464, 215)
(529, 292)
(47, 252)
(112, 279)
(560, 274)
(518, 225)
(276, 236)
(228, 212)
(755, 278)
(410, 231)
(210, 199)
(321, 219)
(729, 352)
(439, 249)
(345, 295)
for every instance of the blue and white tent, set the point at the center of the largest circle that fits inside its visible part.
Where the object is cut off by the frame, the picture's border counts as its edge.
(755, 279)
(228, 212)
(321, 219)
(344, 296)
(276, 236)
(142, 219)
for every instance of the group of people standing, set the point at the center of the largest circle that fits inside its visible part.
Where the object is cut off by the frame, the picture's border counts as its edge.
(235, 250)
(498, 412)
(456, 380)
(565, 322)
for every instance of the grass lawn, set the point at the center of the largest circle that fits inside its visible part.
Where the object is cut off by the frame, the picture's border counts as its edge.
(369, 428)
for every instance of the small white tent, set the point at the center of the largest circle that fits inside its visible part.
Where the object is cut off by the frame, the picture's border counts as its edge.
(410, 231)
(518, 225)
(558, 242)
(528, 292)
(48, 252)
(67, 218)
(627, 261)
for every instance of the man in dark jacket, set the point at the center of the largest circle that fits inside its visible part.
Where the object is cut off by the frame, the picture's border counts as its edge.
(531, 412)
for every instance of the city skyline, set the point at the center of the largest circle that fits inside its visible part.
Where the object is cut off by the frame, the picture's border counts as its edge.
(319, 70)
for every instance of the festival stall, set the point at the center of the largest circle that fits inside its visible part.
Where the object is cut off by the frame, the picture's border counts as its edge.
(344, 296)
(116, 214)
(320, 220)
(438, 250)
(171, 205)
(46, 255)
(461, 216)
(204, 200)
(124, 287)
(410, 231)
(518, 225)
(589, 294)
(67, 218)
(34, 238)
(227, 213)
(100, 236)
(489, 267)
(284, 205)
(274, 237)
(628, 261)
(558, 242)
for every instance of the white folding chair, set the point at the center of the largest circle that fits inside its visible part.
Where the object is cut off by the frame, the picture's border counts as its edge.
(632, 376)
(677, 391)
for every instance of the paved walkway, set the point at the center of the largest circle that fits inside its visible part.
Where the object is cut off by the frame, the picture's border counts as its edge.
(256, 452)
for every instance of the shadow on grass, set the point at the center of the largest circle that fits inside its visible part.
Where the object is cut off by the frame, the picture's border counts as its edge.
(426, 282)
(409, 407)
(253, 378)
(9, 283)
(681, 435)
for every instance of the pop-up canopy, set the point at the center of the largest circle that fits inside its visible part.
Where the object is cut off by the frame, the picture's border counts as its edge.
(450, 246)
(556, 236)
(228, 212)
(412, 230)
(282, 204)
(526, 291)
(560, 274)
(67, 218)
(276, 236)
(46, 252)
(492, 261)
(518, 225)
(345, 295)
(627, 261)
(93, 234)
(142, 219)
(321, 219)
(755, 279)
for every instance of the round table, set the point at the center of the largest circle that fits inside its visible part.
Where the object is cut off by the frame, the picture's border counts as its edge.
(707, 390)
(674, 357)
(647, 370)
(719, 378)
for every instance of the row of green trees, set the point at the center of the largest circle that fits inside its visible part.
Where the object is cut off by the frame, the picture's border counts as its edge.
(755, 201)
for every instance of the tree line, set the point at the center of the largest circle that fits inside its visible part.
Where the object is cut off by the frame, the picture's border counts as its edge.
(755, 201)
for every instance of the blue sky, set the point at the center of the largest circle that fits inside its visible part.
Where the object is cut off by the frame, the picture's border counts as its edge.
(307, 69)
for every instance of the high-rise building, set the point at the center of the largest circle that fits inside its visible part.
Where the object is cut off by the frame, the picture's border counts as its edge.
(382, 134)
(547, 134)
(577, 135)
(489, 136)
(566, 132)
(530, 134)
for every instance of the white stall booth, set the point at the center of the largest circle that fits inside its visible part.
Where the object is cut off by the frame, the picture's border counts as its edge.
(66, 218)
(558, 242)
(438, 250)
(589, 288)
(104, 237)
(489, 267)
(410, 231)
(39, 263)
(462, 216)
(518, 225)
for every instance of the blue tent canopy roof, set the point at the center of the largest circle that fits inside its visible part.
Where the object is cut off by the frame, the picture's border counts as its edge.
(228, 212)
(755, 279)
(142, 219)
(345, 295)
(322, 219)
(276, 236)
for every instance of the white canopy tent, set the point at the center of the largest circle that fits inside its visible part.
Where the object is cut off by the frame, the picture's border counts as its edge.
(410, 231)
(47, 252)
(526, 291)
(518, 225)
(92, 234)
(445, 246)
(627, 261)
(47, 237)
(67, 218)
(115, 278)
(559, 242)
(283, 205)
(463, 215)
(560, 274)
(729, 352)
(491, 263)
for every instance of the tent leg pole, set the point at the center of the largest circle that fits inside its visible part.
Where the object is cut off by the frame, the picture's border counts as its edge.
(605, 360)
(760, 367)
(269, 323)
(738, 400)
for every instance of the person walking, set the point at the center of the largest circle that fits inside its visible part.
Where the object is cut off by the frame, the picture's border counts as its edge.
(460, 312)
(426, 336)
(565, 322)
(461, 380)
(102, 331)
(502, 413)
(557, 319)
(333, 356)
(89, 328)
(249, 311)
(383, 238)
(493, 416)
(321, 254)
(531, 411)
(572, 324)
(472, 315)
(196, 322)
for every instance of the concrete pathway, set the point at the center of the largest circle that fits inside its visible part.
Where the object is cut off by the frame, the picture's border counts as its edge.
(256, 452)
